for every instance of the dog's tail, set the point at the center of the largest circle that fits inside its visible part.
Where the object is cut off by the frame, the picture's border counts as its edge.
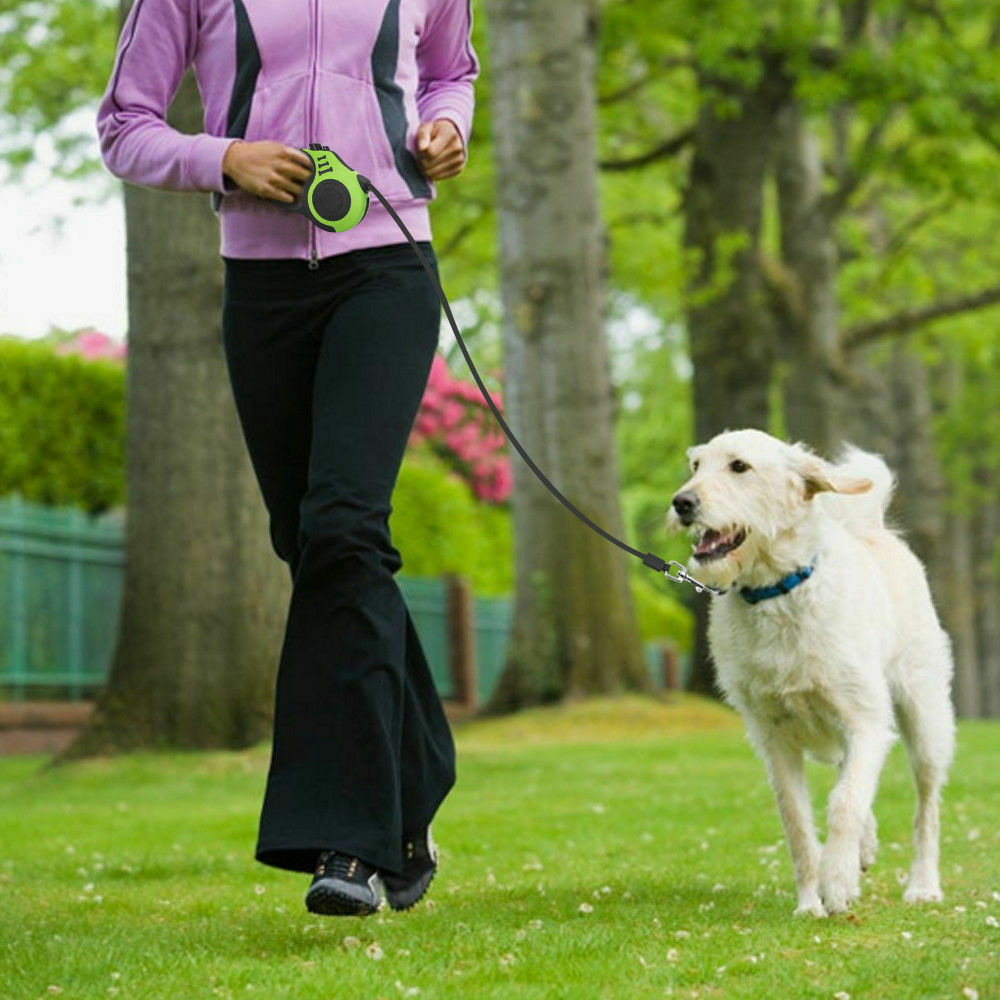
(863, 511)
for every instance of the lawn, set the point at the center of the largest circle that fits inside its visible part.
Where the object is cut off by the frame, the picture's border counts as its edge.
(620, 848)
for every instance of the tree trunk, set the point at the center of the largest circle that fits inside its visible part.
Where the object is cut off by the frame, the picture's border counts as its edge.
(951, 569)
(958, 616)
(730, 327)
(920, 490)
(574, 629)
(204, 595)
(986, 604)
(810, 341)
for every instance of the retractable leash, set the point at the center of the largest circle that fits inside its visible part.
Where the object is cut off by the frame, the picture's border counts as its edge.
(336, 199)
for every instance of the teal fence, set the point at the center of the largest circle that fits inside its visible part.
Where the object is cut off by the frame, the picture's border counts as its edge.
(60, 591)
(61, 578)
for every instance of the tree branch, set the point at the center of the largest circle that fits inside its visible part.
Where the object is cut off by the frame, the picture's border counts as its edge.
(627, 90)
(834, 203)
(898, 239)
(854, 17)
(670, 147)
(909, 319)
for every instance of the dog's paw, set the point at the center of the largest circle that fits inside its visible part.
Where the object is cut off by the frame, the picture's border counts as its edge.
(839, 879)
(810, 909)
(922, 894)
(838, 886)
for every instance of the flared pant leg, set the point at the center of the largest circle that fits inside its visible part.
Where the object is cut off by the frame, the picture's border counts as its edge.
(362, 754)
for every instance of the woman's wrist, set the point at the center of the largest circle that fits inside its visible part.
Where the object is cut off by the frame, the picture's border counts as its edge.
(229, 159)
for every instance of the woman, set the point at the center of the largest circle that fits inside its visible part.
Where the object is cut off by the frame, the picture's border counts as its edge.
(328, 341)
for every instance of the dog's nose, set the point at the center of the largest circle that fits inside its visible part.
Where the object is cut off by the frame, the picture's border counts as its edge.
(686, 504)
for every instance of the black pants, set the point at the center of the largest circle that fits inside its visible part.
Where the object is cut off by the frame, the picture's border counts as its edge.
(328, 368)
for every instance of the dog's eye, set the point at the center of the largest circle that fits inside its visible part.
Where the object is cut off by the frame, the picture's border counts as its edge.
(737, 465)
(694, 466)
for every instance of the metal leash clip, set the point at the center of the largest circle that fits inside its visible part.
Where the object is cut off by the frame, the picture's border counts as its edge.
(683, 576)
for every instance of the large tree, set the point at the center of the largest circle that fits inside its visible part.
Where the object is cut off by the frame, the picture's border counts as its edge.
(204, 593)
(574, 628)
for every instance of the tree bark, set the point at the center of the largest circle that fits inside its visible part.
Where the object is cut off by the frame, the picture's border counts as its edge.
(958, 615)
(730, 326)
(810, 329)
(920, 490)
(204, 596)
(951, 571)
(574, 629)
(986, 604)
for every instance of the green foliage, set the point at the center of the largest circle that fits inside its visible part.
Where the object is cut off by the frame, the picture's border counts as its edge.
(660, 615)
(969, 428)
(440, 527)
(627, 849)
(55, 57)
(62, 427)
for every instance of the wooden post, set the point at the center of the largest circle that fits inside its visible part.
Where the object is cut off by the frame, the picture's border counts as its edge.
(671, 673)
(462, 642)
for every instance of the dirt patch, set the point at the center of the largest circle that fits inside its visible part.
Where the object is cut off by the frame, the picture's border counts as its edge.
(40, 727)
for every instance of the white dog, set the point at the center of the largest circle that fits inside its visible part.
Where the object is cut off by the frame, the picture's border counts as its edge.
(826, 641)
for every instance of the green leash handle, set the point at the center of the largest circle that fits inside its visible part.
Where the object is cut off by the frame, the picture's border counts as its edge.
(334, 198)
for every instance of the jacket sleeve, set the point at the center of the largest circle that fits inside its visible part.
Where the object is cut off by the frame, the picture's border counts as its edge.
(447, 65)
(156, 46)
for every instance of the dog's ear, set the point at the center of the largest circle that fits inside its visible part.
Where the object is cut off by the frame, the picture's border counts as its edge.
(819, 476)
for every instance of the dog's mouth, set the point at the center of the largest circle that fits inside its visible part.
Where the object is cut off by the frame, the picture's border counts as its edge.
(714, 544)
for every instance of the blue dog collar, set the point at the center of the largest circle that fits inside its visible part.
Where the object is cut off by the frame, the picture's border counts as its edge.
(754, 594)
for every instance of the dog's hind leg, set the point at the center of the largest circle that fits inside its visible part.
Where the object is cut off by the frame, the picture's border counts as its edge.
(928, 729)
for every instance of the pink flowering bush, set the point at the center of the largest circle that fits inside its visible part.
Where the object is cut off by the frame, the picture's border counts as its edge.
(457, 425)
(92, 345)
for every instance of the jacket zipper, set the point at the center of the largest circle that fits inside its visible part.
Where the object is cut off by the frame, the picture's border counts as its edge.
(313, 46)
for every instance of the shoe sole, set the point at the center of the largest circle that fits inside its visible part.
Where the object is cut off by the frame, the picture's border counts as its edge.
(407, 899)
(328, 901)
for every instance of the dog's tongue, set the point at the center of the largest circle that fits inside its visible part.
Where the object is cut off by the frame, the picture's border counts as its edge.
(709, 540)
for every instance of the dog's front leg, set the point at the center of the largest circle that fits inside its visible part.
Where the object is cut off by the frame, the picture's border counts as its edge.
(847, 813)
(786, 771)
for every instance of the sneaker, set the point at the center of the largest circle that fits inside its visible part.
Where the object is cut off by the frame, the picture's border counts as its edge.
(344, 886)
(420, 859)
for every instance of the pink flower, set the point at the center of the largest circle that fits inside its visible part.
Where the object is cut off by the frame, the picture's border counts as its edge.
(92, 344)
(458, 425)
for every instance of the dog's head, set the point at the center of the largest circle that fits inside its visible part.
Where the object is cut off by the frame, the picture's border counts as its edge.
(748, 494)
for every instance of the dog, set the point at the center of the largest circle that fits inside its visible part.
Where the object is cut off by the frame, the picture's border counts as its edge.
(826, 641)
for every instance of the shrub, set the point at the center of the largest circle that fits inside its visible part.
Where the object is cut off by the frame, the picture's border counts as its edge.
(62, 426)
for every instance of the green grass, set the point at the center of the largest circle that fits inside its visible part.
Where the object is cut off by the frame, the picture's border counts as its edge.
(622, 848)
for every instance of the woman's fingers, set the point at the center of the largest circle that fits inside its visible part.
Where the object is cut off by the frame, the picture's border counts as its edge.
(439, 149)
(447, 165)
(290, 169)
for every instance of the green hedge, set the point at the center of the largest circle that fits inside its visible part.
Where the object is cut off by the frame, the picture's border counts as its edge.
(62, 427)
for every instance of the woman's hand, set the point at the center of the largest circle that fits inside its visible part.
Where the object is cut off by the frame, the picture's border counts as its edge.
(267, 169)
(439, 149)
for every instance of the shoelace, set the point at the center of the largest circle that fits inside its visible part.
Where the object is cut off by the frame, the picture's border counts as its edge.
(337, 865)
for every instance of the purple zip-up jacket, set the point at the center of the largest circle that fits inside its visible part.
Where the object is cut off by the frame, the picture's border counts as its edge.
(358, 76)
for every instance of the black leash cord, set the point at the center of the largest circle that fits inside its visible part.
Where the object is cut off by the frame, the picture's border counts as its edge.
(654, 562)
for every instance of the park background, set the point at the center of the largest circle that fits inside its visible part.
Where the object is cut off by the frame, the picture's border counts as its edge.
(676, 218)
